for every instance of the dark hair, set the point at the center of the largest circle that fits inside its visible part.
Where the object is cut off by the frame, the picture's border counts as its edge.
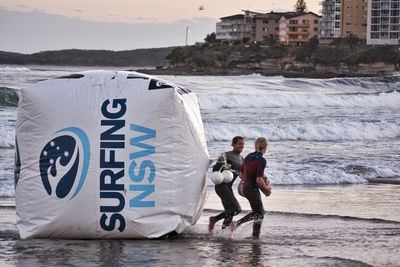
(236, 139)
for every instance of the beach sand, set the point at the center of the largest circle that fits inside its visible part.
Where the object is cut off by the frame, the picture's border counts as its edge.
(353, 225)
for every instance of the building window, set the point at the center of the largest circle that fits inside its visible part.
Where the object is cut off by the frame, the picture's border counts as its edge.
(394, 13)
(315, 29)
(384, 28)
(394, 35)
(337, 24)
(293, 21)
(375, 28)
(395, 5)
(376, 13)
(375, 21)
(394, 20)
(315, 21)
(394, 27)
(374, 35)
(376, 5)
(265, 21)
(384, 35)
(306, 21)
(384, 12)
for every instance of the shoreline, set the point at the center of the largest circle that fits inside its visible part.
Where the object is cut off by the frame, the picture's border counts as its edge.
(239, 72)
(286, 69)
(319, 72)
(316, 200)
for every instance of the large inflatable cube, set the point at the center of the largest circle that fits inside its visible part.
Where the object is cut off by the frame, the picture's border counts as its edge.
(104, 154)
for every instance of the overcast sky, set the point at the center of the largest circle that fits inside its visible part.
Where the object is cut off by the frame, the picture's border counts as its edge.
(29, 26)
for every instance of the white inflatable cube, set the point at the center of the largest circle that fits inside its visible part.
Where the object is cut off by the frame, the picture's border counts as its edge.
(104, 154)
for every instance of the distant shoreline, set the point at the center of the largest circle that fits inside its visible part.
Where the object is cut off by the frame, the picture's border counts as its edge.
(267, 73)
(157, 61)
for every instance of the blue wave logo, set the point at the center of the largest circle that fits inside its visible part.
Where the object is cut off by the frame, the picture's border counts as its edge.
(60, 160)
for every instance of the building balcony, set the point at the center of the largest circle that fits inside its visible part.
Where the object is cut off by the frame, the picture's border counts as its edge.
(295, 41)
(298, 25)
(298, 33)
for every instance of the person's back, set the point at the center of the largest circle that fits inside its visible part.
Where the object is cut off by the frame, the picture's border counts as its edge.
(253, 167)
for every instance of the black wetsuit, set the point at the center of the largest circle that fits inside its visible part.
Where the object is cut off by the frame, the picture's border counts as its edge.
(225, 192)
(253, 167)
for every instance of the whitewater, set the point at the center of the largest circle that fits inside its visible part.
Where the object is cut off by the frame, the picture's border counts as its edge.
(321, 131)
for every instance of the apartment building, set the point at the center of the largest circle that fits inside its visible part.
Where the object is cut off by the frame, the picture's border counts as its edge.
(267, 25)
(236, 27)
(297, 29)
(354, 18)
(383, 22)
(331, 19)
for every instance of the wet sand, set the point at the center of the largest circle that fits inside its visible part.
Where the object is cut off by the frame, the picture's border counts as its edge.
(355, 225)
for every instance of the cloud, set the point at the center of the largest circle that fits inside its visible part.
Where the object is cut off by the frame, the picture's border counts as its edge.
(29, 32)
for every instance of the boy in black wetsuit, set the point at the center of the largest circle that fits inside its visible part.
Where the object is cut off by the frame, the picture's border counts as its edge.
(224, 190)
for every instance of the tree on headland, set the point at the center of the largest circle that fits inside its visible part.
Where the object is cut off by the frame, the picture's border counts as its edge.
(210, 38)
(352, 41)
(270, 40)
(300, 6)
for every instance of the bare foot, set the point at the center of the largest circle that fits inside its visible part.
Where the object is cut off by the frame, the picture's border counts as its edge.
(233, 226)
(211, 224)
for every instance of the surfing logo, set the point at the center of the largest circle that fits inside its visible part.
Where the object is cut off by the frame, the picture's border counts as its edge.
(64, 162)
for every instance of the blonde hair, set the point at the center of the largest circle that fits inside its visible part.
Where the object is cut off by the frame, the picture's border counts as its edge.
(260, 143)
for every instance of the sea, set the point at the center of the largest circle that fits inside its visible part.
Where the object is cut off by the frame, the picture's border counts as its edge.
(333, 145)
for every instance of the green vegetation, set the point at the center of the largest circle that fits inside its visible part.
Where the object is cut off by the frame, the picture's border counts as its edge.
(75, 57)
(214, 54)
(300, 6)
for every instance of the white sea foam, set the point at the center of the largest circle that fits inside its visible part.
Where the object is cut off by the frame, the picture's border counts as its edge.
(6, 190)
(324, 131)
(6, 137)
(218, 101)
(13, 69)
(313, 177)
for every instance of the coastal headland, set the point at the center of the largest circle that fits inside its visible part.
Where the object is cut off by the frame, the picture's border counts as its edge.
(339, 59)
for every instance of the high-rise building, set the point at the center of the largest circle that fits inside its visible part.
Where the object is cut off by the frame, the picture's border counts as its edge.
(354, 18)
(330, 22)
(383, 22)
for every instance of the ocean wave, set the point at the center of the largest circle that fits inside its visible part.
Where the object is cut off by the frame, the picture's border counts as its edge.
(9, 97)
(325, 131)
(13, 69)
(214, 102)
(7, 190)
(6, 138)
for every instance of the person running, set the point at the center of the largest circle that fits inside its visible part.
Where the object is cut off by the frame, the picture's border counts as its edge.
(224, 190)
(253, 179)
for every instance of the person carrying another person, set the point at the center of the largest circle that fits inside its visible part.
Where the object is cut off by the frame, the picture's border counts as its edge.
(224, 190)
(254, 181)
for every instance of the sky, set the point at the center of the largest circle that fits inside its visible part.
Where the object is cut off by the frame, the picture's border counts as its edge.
(29, 26)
